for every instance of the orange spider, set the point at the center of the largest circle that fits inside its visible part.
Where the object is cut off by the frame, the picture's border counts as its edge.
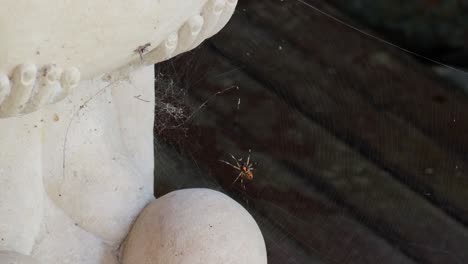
(245, 168)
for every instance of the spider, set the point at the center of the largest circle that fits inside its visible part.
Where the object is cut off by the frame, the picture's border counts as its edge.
(142, 49)
(245, 168)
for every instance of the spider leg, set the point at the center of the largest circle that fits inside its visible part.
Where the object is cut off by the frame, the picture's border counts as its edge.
(243, 184)
(232, 156)
(248, 157)
(245, 192)
(227, 163)
(236, 160)
(240, 174)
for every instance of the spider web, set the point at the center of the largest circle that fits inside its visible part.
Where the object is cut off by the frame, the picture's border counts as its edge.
(303, 217)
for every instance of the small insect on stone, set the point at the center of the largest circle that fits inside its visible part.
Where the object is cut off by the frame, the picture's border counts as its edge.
(142, 49)
(245, 168)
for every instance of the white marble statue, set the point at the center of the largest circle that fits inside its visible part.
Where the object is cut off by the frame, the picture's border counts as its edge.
(76, 138)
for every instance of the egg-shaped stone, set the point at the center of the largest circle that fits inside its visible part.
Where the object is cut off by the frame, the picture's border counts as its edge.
(195, 226)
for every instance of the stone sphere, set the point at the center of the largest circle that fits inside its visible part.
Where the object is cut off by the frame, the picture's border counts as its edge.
(195, 226)
(9, 257)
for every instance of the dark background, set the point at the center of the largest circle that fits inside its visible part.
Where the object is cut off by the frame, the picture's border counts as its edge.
(362, 147)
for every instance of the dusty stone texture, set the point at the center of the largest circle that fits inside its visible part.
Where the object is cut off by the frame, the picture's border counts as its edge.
(9, 257)
(195, 226)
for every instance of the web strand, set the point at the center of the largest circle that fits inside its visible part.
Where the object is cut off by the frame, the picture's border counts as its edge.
(380, 39)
